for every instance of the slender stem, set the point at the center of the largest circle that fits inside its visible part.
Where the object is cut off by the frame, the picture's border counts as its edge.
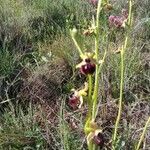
(97, 29)
(93, 97)
(94, 113)
(122, 78)
(78, 47)
(143, 134)
(121, 89)
(99, 71)
(92, 146)
(90, 88)
(130, 13)
(121, 96)
(95, 94)
(101, 64)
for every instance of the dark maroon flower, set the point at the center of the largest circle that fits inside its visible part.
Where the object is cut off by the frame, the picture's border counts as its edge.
(99, 139)
(88, 67)
(73, 101)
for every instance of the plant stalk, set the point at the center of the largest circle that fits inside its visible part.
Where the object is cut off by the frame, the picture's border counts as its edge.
(97, 30)
(143, 134)
(77, 45)
(121, 79)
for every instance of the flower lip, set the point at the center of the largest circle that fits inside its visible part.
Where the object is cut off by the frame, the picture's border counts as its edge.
(88, 68)
(99, 139)
(73, 101)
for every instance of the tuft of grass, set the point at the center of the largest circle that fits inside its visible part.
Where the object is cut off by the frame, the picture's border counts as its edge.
(19, 129)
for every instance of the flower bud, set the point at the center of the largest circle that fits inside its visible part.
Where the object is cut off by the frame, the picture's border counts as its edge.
(73, 32)
(108, 7)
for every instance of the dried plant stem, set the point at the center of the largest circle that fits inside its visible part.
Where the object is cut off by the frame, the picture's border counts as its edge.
(143, 134)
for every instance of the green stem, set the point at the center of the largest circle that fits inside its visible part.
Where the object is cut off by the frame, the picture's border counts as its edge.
(95, 94)
(130, 13)
(101, 64)
(90, 146)
(90, 86)
(77, 45)
(97, 28)
(121, 96)
(90, 89)
(122, 78)
(93, 97)
(99, 71)
(143, 134)
(94, 147)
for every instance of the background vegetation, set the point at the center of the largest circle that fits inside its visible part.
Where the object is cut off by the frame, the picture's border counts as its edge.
(37, 72)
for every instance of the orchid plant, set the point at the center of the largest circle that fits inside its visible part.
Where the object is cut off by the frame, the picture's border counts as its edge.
(91, 66)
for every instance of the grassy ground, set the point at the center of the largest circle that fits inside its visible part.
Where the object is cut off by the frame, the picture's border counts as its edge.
(37, 72)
